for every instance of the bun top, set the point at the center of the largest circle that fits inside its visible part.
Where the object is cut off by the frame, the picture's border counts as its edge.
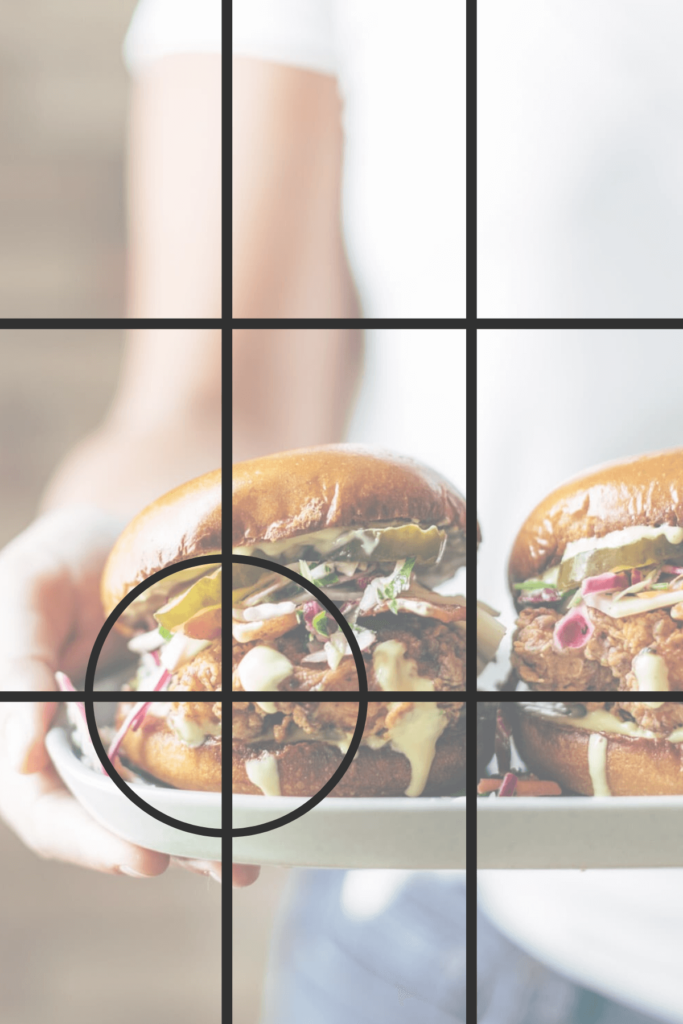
(182, 524)
(343, 485)
(643, 491)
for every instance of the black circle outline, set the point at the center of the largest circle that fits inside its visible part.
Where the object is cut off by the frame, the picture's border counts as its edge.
(90, 696)
(340, 771)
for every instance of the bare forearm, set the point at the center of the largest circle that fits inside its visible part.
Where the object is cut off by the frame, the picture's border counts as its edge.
(122, 473)
(174, 189)
(163, 427)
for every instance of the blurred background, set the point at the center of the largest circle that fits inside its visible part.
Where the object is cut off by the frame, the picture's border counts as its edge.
(77, 946)
(63, 95)
(580, 159)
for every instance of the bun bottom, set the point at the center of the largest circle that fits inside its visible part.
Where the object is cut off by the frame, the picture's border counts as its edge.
(305, 767)
(158, 751)
(631, 765)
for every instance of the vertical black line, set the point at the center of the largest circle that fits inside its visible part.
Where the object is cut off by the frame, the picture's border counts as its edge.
(471, 693)
(226, 430)
(471, 162)
(471, 475)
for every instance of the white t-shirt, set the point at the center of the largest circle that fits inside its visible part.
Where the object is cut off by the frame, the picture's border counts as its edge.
(162, 27)
(580, 158)
(400, 70)
(550, 405)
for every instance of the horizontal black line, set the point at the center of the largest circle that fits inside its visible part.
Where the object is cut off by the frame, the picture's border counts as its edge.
(564, 324)
(110, 696)
(456, 323)
(322, 697)
(116, 324)
(352, 324)
(581, 696)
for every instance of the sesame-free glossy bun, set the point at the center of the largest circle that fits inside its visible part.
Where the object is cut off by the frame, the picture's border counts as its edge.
(182, 524)
(643, 491)
(156, 749)
(305, 767)
(635, 766)
(343, 485)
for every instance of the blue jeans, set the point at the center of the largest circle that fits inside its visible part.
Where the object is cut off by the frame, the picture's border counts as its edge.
(406, 964)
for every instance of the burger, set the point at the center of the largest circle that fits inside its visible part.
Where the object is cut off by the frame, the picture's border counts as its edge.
(600, 749)
(174, 628)
(376, 532)
(597, 575)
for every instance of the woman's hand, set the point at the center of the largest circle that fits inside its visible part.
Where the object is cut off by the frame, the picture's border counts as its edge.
(50, 614)
(244, 874)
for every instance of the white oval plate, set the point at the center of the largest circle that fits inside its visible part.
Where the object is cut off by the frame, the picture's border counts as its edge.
(107, 805)
(580, 832)
(353, 832)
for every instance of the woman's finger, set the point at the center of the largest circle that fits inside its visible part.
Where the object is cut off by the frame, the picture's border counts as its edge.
(244, 874)
(54, 825)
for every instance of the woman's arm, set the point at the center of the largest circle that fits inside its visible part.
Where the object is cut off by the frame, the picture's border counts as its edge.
(288, 256)
(174, 188)
(163, 426)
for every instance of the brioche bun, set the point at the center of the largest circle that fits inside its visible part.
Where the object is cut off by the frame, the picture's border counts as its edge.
(182, 524)
(643, 491)
(304, 767)
(340, 485)
(554, 749)
(156, 749)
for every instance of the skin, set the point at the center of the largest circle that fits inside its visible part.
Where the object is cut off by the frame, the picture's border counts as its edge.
(174, 188)
(288, 254)
(163, 428)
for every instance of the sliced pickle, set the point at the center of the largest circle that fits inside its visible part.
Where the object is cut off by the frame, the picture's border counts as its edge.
(640, 553)
(246, 579)
(394, 542)
(204, 593)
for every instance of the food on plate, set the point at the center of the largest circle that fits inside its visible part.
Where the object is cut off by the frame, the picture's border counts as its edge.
(597, 575)
(375, 532)
(517, 784)
(602, 748)
(408, 748)
(175, 628)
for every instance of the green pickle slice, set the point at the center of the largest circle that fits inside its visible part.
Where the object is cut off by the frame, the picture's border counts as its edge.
(649, 551)
(393, 542)
(205, 593)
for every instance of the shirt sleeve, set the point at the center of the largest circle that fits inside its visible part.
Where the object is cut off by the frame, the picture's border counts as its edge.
(162, 27)
(295, 32)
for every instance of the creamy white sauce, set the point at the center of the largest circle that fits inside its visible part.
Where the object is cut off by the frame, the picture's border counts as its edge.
(396, 672)
(604, 721)
(597, 764)
(191, 732)
(263, 668)
(264, 774)
(324, 542)
(179, 650)
(676, 736)
(651, 673)
(619, 538)
(415, 735)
